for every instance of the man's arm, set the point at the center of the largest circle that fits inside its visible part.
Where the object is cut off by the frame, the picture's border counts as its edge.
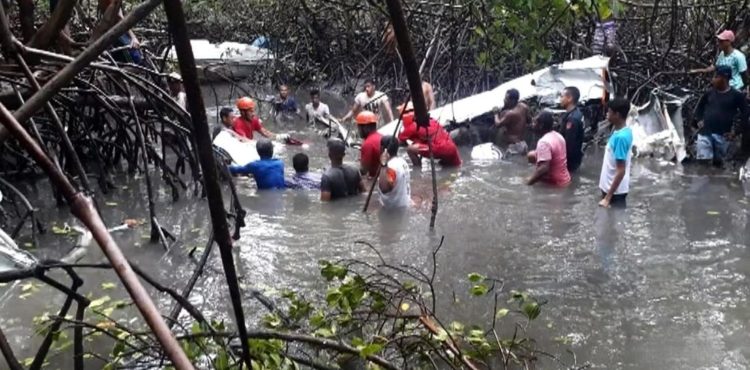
(355, 109)
(246, 169)
(619, 175)
(388, 110)
(542, 168)
(325, 189)
(708, 69)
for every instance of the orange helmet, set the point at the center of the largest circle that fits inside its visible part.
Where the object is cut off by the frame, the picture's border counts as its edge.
(245, 103)
(366, 117)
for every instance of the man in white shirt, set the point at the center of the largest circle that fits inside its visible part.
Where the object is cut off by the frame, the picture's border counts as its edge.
(176, 90)
(373, 100)
(394, 186)
(316, 109)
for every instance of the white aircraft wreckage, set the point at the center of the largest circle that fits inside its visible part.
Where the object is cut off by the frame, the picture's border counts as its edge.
(656, 131)
(231, 60)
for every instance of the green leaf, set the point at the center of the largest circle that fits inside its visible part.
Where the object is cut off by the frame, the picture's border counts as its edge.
(221, 362)
(111, 204)
(370, 350)
(324, 332)
(98, 302)
(502, 313)
(479, 290)
(712, 213)
(108, 286)
(476, 278)
(531, 310)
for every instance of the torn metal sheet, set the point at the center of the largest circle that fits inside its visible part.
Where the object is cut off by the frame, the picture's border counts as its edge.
(243, 152)
(656, 131)
(12, 257)
(231, 59)
(545, 84)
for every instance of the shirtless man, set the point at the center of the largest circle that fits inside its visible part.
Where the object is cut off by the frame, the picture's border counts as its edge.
(429, 95)
(515, 117)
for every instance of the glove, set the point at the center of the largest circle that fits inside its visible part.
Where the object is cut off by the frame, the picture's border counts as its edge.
(282, 137)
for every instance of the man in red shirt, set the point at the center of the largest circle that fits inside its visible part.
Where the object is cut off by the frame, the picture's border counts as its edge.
(550, 156)
(369, 159)
(443, 148)
(248, 122)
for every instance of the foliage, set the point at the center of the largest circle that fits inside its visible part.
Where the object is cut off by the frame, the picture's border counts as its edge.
(381, 315)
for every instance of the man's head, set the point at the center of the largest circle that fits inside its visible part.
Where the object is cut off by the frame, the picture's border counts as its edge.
(511, 98)
(370, 86)
(301, 163)
(174, 80)
(570, 96)
(366, 122)
(617, 111)
(389, 144)
(264, 148)
(315, 96)
(722, 77)
(336, 150)
(246, 107)
(544, 122)
(227, 116)
(283, 91)
(725, 40)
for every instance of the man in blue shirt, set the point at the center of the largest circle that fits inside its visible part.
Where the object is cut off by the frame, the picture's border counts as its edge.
(302, 178)
(614, 180)
(267, 171)
(285, 103)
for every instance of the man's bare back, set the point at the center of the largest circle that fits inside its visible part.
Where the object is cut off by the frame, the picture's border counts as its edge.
(515, 121)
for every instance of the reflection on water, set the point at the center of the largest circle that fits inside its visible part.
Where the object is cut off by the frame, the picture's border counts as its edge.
(660, 285)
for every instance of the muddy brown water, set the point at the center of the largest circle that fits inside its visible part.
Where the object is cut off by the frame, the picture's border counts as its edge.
(660, 285)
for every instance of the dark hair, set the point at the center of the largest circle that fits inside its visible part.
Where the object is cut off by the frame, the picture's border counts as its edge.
(620, 106)
(225, 112)
(724, 71)
(314, 92)
(390, 144)
(264, 148)
(336, 148)
(300, 162)
(546, 121)
(574, 93)
(513, 94)
(370, 81)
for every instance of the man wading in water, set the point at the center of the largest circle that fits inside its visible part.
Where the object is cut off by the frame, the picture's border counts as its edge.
(369, 153)
(514, 116)
(572, 127)
(549, 157)
(247, 123)
(614, 180)
(715, 117)
(373, 100)
(340, 180)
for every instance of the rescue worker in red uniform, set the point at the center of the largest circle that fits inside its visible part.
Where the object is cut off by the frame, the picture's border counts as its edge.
(443, 148)
(247, 122)
(369, 158)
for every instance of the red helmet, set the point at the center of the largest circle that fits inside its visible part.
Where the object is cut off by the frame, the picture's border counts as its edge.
(245, 103)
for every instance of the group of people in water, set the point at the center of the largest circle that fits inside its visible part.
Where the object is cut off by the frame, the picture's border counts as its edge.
(557, 156)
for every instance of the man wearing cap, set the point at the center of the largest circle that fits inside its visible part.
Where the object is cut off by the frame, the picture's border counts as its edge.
(730, 57)
(444, 149)
(176, 90)
(715, 115)
(369, 159)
